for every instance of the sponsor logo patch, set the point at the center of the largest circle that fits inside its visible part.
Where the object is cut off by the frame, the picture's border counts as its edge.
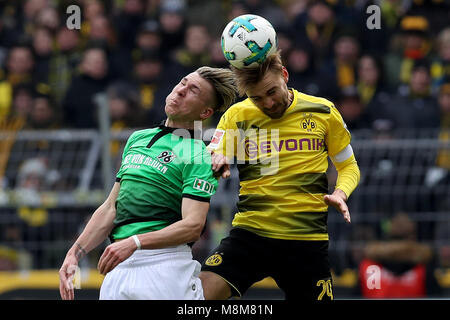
(217, 138)
(202, 185)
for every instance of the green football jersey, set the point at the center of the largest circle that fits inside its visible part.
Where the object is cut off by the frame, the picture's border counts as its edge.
(159, 167)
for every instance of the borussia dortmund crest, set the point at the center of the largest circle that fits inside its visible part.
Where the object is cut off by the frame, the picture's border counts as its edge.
(308, 122)
(214, 260)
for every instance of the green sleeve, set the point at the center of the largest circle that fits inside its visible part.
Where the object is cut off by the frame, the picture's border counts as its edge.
(199, 182)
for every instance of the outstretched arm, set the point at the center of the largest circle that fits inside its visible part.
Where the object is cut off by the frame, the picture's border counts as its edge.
(347, 180)
(338, 199)
(95, 232)
(184, 231)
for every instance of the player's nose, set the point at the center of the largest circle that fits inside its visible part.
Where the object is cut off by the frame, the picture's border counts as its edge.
(268, 104)
(181, 90)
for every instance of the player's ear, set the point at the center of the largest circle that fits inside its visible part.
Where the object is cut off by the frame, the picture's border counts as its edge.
(285, 74)
(206, 113)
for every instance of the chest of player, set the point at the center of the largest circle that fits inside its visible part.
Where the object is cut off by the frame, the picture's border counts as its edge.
(291, 137)
(165, 158)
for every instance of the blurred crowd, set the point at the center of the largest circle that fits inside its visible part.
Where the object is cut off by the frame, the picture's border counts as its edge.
(134, 51)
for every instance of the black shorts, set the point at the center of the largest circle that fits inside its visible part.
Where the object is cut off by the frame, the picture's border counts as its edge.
(300, 268)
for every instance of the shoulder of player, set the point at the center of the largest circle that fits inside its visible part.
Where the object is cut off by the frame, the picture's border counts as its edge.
(199, 154)
(240, 108)
(309, 103)
(142, 133)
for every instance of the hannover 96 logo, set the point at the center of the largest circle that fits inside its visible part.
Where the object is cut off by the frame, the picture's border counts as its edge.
(166, 157)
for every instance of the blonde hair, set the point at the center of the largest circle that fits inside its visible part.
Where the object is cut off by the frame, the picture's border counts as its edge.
(248, 76)
(224, 86)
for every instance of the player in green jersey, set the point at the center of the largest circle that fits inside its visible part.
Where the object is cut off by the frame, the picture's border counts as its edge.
(159, 201)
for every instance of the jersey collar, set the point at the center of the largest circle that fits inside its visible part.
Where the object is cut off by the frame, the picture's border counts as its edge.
(193, 134)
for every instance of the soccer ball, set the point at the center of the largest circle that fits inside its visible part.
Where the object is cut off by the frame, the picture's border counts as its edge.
(247, 40)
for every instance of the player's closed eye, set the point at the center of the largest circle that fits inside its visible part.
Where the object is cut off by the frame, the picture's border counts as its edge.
(180, 84)
(194, 90)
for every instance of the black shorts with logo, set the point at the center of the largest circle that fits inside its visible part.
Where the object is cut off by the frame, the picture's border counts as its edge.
(300, 268)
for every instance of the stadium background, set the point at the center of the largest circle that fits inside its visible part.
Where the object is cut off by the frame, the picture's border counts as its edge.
(70, 98)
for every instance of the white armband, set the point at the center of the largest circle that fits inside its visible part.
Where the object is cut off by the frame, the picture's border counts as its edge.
(343, 155)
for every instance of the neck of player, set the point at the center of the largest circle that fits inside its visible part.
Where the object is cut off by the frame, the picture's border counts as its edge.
(290, 97)
(179, 124)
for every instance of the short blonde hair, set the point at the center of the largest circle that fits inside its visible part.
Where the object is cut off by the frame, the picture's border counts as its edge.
(224, 86)
(248, 76)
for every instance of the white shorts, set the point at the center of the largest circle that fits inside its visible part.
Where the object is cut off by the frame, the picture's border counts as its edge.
(161, 274)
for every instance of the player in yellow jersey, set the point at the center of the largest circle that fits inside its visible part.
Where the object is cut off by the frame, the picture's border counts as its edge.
(281, 140)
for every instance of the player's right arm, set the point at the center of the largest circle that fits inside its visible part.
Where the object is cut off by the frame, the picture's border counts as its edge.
(95, 232)
(220, 165)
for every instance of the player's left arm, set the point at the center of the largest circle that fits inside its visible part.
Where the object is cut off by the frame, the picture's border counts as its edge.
(199, 185)
(187, 230)
(338, 139)
(347, 180)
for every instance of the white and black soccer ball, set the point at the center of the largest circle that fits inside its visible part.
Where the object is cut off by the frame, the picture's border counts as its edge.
(247, 40)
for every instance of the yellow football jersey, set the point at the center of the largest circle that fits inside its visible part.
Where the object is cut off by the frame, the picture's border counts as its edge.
(282, 165)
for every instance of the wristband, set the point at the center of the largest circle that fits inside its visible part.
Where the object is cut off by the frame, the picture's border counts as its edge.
(138, 243)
